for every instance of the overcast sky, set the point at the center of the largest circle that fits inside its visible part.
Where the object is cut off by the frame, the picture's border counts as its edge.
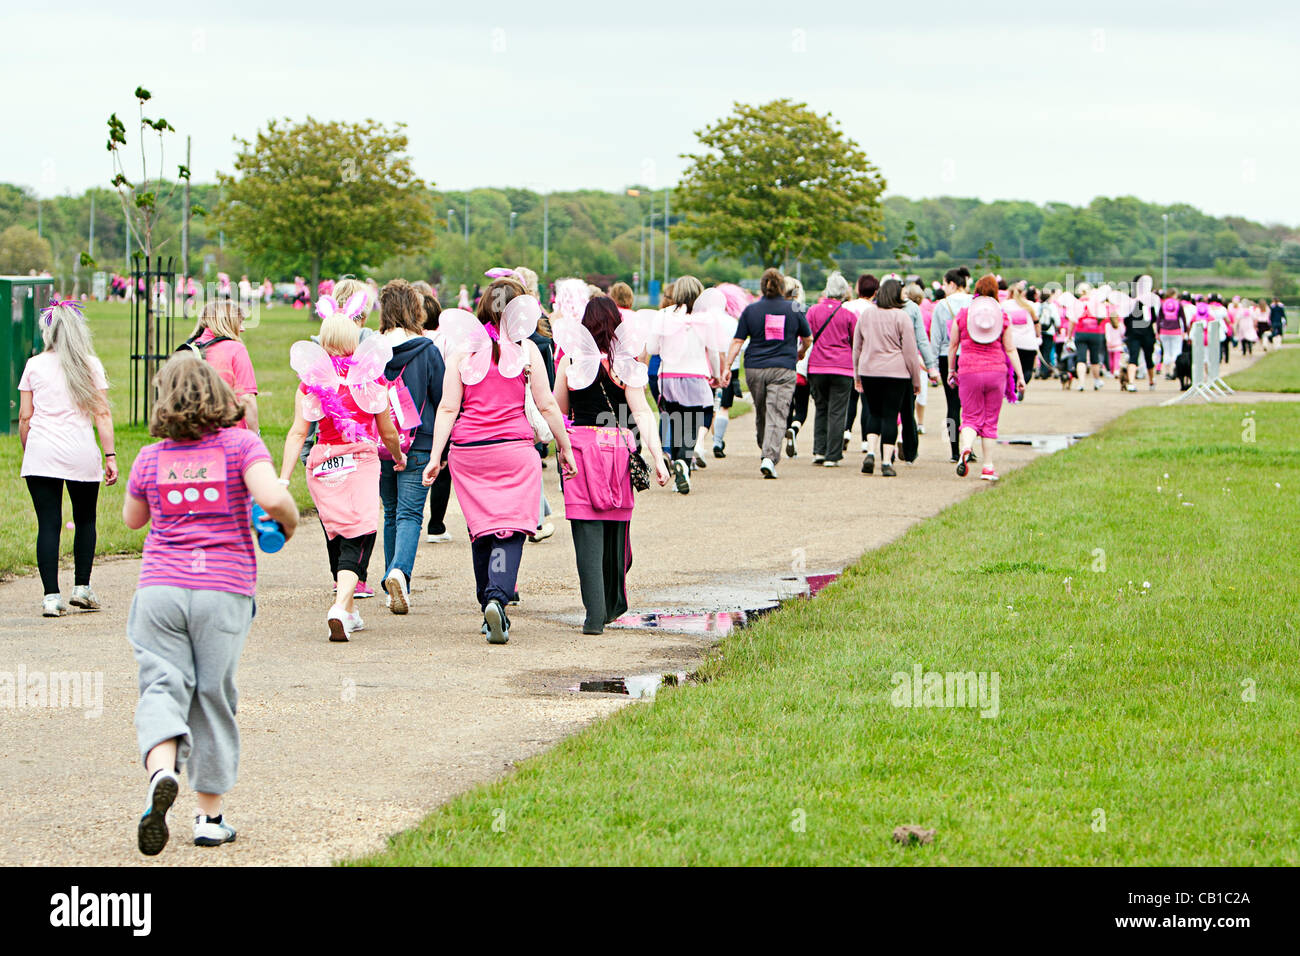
(1171, 102)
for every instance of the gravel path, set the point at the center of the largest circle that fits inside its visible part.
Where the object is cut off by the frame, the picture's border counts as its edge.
(346, 743)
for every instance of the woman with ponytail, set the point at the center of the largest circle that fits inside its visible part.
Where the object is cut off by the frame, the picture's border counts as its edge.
(63, 391)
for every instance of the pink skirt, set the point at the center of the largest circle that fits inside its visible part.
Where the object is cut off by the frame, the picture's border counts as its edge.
(344, 482)
(498, 486)
(602, 488)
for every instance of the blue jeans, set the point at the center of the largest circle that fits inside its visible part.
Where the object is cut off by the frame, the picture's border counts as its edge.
(403, 496)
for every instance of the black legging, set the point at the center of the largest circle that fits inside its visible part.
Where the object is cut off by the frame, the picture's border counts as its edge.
(47, 498)
(884, 399)
(351, 554)
(439, 495)
(1027, 357)
(1142, 342)
(953, 424)
(854, 414)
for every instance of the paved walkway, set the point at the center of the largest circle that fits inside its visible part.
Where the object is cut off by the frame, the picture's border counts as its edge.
(346, 743)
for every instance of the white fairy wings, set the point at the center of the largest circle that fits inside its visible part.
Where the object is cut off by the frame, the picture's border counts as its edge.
(465, 334)
(585, 357)
(677, 335)
(316, 369)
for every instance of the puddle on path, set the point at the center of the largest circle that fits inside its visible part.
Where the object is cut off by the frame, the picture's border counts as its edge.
(721, 623)
(638, 686)
(712, 623)
(1048, 443)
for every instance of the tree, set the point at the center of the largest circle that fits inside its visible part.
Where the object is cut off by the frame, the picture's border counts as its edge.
(142, 200)
(333, 197)
(1280, 284)
(1074, 235)
(778, 182)
(22, 250)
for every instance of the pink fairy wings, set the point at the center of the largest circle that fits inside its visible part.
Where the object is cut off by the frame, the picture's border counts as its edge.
(737, 298)
(327, 305)
(466, 335)
(365, 378)
(364, 372)
(571, 296)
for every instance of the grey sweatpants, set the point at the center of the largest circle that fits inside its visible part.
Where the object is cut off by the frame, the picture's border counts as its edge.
(187, 645)
(772, 390)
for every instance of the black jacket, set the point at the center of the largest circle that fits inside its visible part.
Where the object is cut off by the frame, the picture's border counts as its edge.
(420, 365)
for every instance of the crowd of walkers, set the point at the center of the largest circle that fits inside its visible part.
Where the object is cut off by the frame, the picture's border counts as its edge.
(472, 400)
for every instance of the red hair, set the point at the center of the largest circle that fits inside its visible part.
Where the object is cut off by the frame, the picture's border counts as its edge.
(987, 285)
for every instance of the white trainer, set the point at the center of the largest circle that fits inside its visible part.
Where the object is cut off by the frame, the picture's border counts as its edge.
(52, 606)
(84, 598)
(399, 595)
(210, 833)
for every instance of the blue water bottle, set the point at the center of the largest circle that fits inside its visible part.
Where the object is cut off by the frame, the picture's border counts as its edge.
(270, 536)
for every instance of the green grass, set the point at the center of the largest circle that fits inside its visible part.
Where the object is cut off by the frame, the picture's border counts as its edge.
(268, 344)
(1278, 371)
(1112, 700)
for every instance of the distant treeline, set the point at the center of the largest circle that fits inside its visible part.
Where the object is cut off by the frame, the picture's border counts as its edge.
(590, 232)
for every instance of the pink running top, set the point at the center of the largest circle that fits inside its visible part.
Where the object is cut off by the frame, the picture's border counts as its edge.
(493, 410)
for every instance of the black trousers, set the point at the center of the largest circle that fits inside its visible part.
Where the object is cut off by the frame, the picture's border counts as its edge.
(884, 398)
(351, 554)
(953, 398)
(439, 495)
(799, 406)
(603, 563)
(496, 567)
(830, 395)
(47, 499)
(680, 424)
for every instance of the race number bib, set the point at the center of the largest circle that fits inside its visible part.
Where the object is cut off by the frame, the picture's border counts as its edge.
(193, 482)
(334, 468)
(774, 325)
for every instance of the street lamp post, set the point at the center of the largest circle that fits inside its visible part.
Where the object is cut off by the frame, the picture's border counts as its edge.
(1164, 255)
(546, 234)
(512, 221)
(665, 235)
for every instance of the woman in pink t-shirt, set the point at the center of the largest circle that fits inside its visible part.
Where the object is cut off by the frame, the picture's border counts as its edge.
(494, 467)
(217, 339)
(983, 334)
(63, 391)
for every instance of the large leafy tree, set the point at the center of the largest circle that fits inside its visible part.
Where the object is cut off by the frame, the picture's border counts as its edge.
(317, 197)
(778, 182)
(22, 250)
(1075, 235)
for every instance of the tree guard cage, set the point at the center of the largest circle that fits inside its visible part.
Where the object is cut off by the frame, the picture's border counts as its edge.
(151, 328)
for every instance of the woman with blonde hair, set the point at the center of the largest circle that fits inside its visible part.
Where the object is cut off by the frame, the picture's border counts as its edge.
(62, 392)
(217, 338)
(344, 390)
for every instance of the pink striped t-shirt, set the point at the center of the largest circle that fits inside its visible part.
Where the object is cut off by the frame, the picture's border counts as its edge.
(199, 511)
